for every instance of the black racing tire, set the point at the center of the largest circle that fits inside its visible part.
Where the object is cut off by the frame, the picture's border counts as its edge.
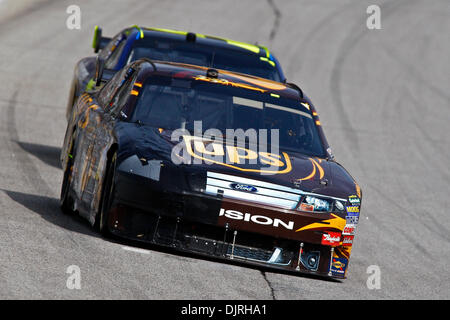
(107, 198)
(66, 202)
(72, 98)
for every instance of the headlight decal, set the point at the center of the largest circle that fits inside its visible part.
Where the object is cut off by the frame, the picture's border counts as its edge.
(319, 204)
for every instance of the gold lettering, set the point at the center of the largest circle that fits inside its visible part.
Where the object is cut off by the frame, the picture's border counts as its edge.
(235, 157)
(269, 158)
(200, 147)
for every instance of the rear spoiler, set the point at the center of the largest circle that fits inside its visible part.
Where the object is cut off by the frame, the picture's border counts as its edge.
(99, 42)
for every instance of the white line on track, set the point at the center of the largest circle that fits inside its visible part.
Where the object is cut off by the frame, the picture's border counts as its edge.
(136, 250)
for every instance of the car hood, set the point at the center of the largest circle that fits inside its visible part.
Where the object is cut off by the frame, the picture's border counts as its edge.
(184, 160)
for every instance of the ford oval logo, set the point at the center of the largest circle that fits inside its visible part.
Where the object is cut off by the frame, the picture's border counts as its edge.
(243, 187)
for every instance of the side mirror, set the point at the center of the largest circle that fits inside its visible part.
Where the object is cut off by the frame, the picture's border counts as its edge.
(99, 42)
(102, 74)
(99, 67)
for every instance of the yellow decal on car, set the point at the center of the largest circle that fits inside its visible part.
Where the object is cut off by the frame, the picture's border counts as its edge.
(86, 120)
(315, 167)
(335, 222)
(225, 82)
(236, 157)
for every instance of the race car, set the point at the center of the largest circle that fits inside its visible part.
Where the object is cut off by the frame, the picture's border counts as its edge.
(169, 45)
(210, 162)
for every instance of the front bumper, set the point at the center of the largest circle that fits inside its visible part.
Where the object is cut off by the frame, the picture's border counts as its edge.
(146, 211)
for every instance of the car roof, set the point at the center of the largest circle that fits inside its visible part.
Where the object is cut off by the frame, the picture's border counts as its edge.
(136, 32)
(210, 41)
(245, 81)
(203, 39)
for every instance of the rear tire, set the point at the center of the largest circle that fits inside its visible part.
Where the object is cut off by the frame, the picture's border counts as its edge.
(66, 201)
(71, 99)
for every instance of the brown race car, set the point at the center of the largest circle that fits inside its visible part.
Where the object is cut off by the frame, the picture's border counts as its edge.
(211, 162)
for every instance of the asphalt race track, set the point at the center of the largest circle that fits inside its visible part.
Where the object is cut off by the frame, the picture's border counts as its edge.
(384, 103)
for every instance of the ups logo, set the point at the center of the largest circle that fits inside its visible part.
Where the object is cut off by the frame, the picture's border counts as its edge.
(239, 158)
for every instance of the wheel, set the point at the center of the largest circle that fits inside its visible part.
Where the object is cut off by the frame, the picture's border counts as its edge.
(72, 98)
(66, 202)
(107, 198)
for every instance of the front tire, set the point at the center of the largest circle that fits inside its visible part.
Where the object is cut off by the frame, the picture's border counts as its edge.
(107, 198)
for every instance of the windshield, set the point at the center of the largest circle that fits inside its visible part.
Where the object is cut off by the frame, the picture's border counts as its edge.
(184, 52)
(176, 103)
